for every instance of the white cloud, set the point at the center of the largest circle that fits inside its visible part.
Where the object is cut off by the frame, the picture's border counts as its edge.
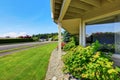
(13, 34)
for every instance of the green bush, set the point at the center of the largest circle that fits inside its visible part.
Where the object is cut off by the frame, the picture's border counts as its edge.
(69, 45)
(35, 38)
(55, 38)
(89, 64)
(107, 48)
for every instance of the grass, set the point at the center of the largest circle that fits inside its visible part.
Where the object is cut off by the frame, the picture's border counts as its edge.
(26, 65)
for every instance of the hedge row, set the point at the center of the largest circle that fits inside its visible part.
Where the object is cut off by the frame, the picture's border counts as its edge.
(17, 40)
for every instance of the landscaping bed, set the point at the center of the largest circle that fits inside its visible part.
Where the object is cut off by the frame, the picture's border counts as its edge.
(89, 63)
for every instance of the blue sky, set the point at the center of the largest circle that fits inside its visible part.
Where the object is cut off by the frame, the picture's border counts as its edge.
(21, 17)
(26, 16)
(108, 27)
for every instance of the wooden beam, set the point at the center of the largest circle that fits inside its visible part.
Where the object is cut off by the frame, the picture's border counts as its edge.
(58, 1)
(95, 3)
(64, 8)
(103, 16)
(110, 1)
(57, 12)
(75, 14)
(77, 10)
(57, 5)
(104, 11)
(56, 15)
(52, 8)
(68, 16)
(81, 5)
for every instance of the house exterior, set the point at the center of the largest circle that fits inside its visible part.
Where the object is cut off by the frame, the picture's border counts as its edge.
(74, 15)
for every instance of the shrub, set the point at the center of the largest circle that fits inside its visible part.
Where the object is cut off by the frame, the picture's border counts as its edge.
(87, 63)
(55, 38)
(35, 38)
(69, 45)
(107, 48)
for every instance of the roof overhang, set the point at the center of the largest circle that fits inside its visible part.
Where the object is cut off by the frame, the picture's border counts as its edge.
(70, 12)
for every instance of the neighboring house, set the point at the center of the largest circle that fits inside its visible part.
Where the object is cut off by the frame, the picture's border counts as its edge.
(42, 40)
(49, 39)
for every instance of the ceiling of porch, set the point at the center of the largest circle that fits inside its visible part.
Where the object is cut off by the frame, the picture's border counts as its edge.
(90, 11)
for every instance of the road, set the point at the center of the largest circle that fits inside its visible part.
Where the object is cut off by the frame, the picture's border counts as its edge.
(11, 46)
(19, 46)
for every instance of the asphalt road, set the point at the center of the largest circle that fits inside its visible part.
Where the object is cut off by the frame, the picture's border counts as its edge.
(11, 46)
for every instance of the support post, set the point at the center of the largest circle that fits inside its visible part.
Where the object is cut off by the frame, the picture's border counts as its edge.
(117, 34)
(59, 40)
(82, 33)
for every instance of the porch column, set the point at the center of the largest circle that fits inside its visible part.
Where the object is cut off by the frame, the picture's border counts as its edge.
(59, 39)
(82, 33)
(117, 35)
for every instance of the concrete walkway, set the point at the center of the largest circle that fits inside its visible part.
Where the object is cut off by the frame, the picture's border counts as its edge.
(54, 71)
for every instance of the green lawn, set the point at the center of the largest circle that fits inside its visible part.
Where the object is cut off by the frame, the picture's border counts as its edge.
(26, 65)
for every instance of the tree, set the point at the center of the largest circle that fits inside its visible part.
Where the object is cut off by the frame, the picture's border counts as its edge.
(66, 36)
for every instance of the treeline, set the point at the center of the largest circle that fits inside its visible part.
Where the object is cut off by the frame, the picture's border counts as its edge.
(15, 40)
(27, 38)
(102, 37)
(47, 36)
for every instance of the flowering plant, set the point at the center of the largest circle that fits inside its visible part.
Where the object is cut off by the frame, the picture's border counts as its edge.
(69, 45)
(88, 63)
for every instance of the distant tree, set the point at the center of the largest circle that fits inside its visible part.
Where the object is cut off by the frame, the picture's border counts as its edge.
(66, 36)
(20, 37)
(35, 38)
(46, 36)
(55, 38)
(25, 37)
